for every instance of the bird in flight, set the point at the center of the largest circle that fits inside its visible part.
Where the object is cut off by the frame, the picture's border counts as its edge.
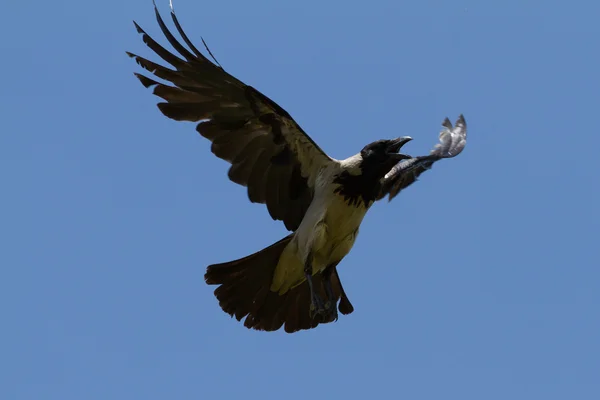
(294, 283)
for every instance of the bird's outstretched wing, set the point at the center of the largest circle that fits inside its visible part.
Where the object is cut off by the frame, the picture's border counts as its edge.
(269, 153)
(452, 141)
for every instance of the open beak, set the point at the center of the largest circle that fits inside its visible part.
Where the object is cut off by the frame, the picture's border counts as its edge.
(395, 146)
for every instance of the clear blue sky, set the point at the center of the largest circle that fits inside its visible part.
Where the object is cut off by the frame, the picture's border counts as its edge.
(488, 287)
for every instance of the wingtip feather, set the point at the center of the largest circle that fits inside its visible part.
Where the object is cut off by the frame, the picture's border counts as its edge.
(147, 82)
(138, 28)
(446, 123)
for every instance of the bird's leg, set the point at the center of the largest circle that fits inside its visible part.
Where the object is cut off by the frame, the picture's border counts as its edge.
(316, 303)
(331, 303)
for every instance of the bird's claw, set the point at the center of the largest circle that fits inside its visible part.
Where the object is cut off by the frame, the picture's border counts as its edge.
(326, 311)
(316, 306)
(331, 309)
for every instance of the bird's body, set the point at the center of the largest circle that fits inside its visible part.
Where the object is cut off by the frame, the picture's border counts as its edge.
(327, 231)
(321, 201)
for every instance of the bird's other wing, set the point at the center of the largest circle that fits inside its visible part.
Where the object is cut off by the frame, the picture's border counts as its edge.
(452, 142)
(269, 153)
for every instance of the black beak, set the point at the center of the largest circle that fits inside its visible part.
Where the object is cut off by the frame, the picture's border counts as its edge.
(395, 146)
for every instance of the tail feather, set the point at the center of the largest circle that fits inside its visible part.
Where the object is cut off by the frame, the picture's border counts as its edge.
(345, 306)
(244, 291)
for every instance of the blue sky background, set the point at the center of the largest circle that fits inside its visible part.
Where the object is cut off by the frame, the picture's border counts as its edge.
(479, 282)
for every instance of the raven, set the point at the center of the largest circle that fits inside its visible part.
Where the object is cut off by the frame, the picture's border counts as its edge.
(294, 282)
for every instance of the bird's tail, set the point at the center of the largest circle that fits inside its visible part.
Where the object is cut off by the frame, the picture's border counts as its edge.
(244, 291)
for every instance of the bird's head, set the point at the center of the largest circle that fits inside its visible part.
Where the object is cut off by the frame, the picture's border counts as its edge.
(380, 156)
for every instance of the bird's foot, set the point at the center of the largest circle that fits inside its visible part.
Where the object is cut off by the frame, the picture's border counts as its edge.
(331, 310)
(317, 307)
(326, 312)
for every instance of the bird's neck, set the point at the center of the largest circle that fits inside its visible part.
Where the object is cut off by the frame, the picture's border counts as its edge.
(357, 190)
